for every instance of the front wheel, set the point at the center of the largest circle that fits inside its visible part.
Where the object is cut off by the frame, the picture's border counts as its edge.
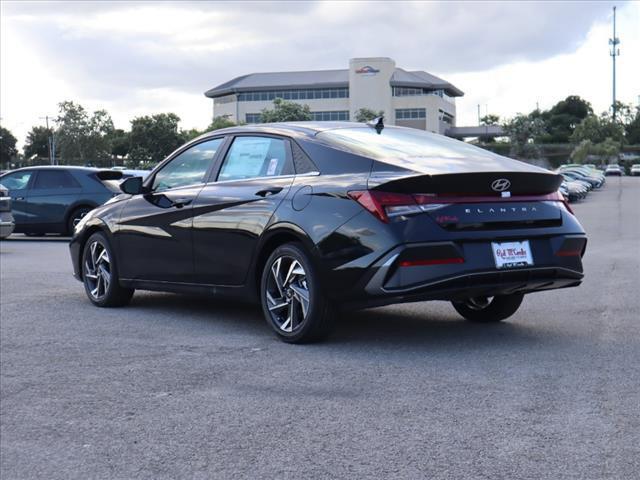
(292, 298)
(489, 309)
(75, 217)
(100, 274)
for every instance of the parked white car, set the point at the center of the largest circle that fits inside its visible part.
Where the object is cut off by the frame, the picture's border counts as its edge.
(7, 223)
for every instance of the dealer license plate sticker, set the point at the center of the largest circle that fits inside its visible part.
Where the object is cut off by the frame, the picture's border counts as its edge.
(512, 254)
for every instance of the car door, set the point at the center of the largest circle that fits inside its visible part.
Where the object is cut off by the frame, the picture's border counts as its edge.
(18, 183)
(231, 212)
(52, 192)
(154, 236)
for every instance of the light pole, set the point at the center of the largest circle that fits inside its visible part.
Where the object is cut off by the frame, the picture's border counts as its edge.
(614, 52)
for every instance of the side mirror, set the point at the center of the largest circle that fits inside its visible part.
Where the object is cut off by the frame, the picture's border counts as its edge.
(132, 185)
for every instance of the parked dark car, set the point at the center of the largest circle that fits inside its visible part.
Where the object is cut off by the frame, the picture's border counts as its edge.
(53, 199)
(312, 218)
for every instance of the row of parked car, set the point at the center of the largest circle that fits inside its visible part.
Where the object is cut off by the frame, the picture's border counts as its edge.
(579, 180)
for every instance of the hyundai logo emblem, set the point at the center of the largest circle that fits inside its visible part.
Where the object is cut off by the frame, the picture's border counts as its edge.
(500, 185)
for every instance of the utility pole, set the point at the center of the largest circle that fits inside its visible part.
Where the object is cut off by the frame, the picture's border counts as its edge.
(614, 52)
(51, 141)
(478, 114)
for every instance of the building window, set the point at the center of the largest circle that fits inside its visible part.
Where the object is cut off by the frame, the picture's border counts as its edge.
(410, 113)
(408, 91)
(297, 94)
(445, 117)
(225, 99)
(412, 91)
(335, 116)
(252, 118)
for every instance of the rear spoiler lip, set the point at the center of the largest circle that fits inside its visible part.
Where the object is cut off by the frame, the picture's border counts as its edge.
(479, 183)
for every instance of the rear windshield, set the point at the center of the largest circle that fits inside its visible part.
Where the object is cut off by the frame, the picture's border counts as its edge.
(401, 143)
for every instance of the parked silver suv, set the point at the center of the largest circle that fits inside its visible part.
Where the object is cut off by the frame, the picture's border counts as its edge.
(6, 218)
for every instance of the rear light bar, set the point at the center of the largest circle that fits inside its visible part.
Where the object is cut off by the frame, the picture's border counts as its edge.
(386, 205)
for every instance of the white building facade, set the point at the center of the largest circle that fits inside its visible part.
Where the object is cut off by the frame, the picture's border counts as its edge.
(414, 99)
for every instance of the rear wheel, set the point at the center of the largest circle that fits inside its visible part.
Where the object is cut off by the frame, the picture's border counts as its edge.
(489, 309)
(292, 298)
(100, 274)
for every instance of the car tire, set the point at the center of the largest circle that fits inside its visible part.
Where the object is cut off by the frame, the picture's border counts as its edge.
(292, 296)
(100, 274)
(489, 310)
(75, 217)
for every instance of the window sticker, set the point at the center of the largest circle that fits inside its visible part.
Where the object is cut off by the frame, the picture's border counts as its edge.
(273, 164)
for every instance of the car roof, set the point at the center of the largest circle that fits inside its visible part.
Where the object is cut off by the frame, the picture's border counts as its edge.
(295, 129)
(50, 167)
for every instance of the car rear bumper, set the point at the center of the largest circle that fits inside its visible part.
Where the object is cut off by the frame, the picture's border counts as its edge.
(557, 264)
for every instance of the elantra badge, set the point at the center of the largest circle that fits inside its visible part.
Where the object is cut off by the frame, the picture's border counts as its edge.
(500, 185)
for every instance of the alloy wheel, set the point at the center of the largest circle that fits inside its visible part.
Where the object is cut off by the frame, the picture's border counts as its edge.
(97, 272)
(287, 293)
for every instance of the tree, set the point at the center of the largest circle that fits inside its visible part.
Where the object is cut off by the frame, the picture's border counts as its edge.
(83, 138)
(365, 115)
(120, 142)
(581, 151)
(598, 129)
(562, 119)
(220, 122)
(522, 131)
(490, 119)
(632, 129)
(7, 146)
(285, 111)
(37, 142)
(607, 150)
(154, 137)
(188, 135)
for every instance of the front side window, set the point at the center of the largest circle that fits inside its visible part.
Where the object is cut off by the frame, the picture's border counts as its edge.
(251, 157)
(55, 180)
(16, 180)
(188, 168)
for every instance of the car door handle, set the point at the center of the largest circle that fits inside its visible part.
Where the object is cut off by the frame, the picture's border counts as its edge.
(18, 198)
(269, 191)
(182, 202)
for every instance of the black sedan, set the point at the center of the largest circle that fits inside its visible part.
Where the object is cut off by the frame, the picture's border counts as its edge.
(53, 199)
(312, 218)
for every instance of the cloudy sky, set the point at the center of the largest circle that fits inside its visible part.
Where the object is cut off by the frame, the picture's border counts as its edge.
(136, 58)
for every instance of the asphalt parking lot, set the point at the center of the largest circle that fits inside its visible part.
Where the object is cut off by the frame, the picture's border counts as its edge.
(182, 387)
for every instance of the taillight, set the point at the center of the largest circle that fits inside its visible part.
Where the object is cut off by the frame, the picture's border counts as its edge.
(387, 205)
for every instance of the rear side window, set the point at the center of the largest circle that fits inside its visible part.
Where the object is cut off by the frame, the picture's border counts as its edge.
(251, 157)
(54, 179)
